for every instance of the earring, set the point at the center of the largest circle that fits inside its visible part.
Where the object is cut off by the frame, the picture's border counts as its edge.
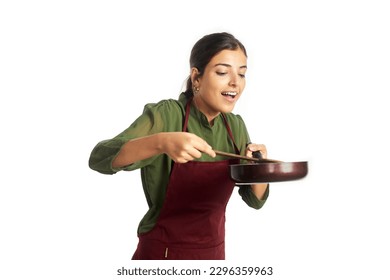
(195, 90)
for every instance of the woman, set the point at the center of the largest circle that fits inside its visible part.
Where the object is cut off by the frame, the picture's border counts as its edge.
(187, 186)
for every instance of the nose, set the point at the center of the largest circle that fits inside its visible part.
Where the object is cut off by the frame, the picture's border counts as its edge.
(234, 80)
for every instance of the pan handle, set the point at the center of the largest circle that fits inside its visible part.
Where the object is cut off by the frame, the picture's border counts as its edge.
(260, 160)
(257, 155)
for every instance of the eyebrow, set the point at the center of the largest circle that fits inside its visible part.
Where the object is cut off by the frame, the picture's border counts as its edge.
(228, 65)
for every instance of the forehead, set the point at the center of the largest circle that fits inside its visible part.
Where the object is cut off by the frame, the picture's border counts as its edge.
(235, 58)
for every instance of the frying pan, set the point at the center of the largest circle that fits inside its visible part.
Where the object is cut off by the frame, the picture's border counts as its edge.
(264, 170)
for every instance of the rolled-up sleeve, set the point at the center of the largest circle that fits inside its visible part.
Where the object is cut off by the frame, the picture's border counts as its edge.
(103, 154)
(250, 198)
(154, 119)
(242, 139)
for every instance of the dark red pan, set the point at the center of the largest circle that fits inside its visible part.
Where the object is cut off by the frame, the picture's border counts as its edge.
(265, 170)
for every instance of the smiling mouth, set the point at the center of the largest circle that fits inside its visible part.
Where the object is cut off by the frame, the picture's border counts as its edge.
(229, 94)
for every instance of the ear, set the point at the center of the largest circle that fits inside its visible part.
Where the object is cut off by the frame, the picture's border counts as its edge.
(195, 76)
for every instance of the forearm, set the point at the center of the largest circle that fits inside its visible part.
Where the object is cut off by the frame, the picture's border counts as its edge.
(179, 146)
(259, 190)
(138, 149)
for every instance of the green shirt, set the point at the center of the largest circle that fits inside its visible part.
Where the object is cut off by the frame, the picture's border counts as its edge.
(168, 116)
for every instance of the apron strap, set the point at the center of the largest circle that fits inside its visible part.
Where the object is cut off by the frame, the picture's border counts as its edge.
(187, 115)
(230, 133)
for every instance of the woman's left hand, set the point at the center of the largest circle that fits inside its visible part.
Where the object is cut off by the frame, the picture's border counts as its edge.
(258, 189)
(251, 148)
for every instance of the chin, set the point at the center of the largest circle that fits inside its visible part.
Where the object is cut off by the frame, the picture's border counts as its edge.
(227, 109)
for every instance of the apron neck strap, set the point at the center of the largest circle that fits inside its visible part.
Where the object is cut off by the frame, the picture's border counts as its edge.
(187, 115)
(230, 133)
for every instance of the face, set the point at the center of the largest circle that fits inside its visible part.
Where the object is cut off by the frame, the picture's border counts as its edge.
(221, 84)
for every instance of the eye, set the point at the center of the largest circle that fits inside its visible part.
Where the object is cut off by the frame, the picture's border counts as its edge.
(242, 75)
(221, 73)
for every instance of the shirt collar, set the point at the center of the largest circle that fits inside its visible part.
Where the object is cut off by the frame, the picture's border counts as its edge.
(183, 99)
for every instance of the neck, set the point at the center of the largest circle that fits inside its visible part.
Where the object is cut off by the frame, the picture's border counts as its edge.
(210, 117)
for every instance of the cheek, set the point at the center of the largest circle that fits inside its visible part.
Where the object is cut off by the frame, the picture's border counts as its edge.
(243, 83)
(212, 88)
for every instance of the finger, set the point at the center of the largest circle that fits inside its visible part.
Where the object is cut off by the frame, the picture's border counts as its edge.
(184, 158)
(204, 147)
(209, 150)
(211, 153)
(256, 147)
(180, 160)
(194, 153)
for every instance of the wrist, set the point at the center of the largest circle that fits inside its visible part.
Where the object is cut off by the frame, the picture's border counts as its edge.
(161, 140)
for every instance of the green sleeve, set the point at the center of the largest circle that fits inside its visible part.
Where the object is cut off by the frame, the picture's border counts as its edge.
(245, 191)
(154, 119)
(250, 198)
(103, 154)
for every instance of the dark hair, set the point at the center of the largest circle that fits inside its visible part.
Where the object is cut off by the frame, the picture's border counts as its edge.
(207, 47)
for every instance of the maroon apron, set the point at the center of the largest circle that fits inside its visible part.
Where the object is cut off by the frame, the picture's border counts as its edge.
(191, 224)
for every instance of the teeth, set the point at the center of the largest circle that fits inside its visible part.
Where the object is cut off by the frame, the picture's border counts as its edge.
(230, 93)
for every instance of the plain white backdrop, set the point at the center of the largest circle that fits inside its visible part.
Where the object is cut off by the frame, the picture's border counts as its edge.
(73, 73)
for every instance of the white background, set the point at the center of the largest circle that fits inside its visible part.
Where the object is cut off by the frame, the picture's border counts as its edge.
(73, 73)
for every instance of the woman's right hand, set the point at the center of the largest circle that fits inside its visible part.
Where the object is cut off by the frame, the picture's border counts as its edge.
(182, 147)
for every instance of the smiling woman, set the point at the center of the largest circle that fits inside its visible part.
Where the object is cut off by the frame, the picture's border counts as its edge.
(221, 84)
(187, 186)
